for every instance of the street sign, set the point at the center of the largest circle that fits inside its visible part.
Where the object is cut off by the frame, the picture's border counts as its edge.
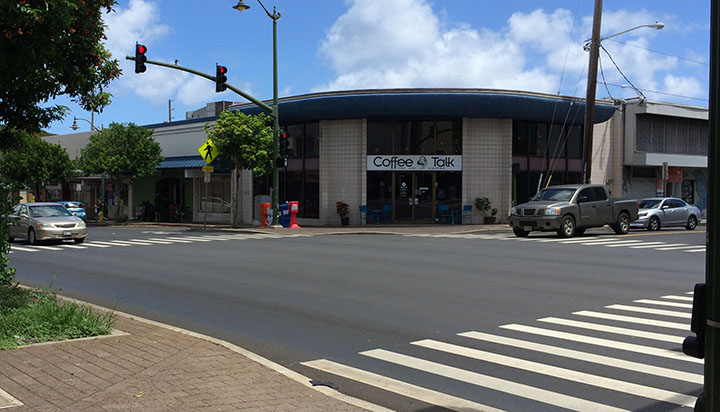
(208, 151)
(208, 169)
(207, 177)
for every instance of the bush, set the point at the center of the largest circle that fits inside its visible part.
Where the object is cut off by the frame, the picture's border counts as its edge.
(342, 209)
(482, 204)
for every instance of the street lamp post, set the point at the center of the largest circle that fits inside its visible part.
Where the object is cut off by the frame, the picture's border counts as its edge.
(593, 46)
(241, 6)
(92, 125)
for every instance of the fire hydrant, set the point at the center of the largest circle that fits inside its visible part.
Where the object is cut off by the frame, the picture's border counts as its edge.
(101, 216)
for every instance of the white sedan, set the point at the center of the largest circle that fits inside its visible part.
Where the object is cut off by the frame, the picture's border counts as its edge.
(660, 212)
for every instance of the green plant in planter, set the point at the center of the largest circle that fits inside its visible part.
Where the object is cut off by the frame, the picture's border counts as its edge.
(343, 210)
(482, 204)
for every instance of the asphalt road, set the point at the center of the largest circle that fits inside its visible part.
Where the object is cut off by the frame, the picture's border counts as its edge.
(331, 299)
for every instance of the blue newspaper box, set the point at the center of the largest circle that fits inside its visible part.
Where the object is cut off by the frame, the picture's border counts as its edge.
(285, 215)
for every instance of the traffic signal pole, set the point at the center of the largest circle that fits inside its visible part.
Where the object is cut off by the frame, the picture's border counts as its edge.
(712, 277)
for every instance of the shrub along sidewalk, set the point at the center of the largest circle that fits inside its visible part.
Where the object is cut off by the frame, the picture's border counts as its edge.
(30, 316)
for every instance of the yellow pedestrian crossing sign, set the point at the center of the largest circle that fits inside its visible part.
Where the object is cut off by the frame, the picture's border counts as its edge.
(208, 151)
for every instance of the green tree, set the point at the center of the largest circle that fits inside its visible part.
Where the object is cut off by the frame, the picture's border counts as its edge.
(121, 151)
(51, 48)
(34, 163)
(7, 274)
(245, 140)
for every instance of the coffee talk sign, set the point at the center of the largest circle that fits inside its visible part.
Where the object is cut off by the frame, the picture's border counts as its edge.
(414, 162)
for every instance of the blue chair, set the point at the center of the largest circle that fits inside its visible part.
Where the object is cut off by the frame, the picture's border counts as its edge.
(466, 214)
(365, 215)
(446, 213)
(385, 214)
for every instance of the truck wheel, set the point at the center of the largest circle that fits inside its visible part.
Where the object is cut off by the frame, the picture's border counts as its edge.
(654, 223)
(519, 232)
(622, 226)
(691, 223)
(567, 228)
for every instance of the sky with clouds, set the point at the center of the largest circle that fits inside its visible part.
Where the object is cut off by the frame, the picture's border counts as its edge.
(359, 44)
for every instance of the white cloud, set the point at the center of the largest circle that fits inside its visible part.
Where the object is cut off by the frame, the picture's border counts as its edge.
(380, 44)
(684, 86)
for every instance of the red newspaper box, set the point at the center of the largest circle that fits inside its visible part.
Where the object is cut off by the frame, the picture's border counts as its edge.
(263, 213)
(294, 209)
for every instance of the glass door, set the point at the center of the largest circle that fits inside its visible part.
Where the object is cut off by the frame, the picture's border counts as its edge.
(404, 199)
(423, 202)
(414, 197)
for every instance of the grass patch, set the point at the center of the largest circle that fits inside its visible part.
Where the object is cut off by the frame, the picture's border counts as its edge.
(30, 316)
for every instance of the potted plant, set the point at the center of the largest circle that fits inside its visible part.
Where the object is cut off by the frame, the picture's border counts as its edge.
(343, 210)
(483, 205)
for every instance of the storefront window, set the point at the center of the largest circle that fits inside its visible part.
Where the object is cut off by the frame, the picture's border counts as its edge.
(379, 137)
(379, 190)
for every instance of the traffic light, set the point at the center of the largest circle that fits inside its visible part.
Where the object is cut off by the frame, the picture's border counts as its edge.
(284, 144)
(695, 345)
(140, 58)
(220, 78)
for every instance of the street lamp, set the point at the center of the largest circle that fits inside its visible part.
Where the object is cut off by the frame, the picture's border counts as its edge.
(75, 126)
(593, 45)
(241, 6)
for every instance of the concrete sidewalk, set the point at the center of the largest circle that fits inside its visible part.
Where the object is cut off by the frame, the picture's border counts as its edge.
(148, 366)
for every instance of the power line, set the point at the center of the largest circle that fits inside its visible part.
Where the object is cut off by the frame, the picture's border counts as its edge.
(659, 52)
(623, 86)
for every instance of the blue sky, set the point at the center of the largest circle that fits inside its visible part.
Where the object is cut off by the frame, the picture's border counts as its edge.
(359, 44)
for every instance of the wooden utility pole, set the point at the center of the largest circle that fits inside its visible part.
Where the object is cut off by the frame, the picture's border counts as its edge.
(594, 48)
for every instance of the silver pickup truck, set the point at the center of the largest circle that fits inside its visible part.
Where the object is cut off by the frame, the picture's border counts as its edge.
(570, 209)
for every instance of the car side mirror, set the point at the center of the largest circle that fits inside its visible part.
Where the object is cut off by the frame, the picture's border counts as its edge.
(23, 215)
(665, 207)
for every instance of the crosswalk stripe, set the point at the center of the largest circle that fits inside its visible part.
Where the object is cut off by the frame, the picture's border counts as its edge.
(579, 240)
(110, 243)
(402, 388)
(180, 239)
(631, 319)
(612, 329)
(501, 385)
(647, 245)
(22, 249)
(46, 247)
(675, 297)
(623, 243)
(695, 251)
(665, 245)
(682, 247)
(73, 246)
(561, 373)
(587, 357)
(132, 242)
(158, 242)
(93, 244)
(192, 238)
(630, 347)
(664, 303)
(651, 311)
(172, 239)
(610, 242)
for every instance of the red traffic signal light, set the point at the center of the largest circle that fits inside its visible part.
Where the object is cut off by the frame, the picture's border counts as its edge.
(284, 144)
(220, 78)
(140, 58)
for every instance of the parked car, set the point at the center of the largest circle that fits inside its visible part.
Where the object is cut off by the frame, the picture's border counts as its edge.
(45, 221)
(570, 209)
(657, 212)
(76, 208)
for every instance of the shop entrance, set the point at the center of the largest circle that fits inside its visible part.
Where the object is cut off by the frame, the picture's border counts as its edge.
(414, 196)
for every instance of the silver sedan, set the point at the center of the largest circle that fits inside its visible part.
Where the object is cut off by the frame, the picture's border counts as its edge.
(660, 212)
(45, 221)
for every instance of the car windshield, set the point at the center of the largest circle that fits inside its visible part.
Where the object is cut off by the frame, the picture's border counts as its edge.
(49, 211)
(73, 205)
(562, 195)
(649, 203)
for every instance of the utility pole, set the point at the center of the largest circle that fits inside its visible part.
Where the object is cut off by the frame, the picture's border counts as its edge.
(170, 109)
(590, 96)
(712, 280)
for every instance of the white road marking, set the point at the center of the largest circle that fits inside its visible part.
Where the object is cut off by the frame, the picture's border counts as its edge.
(612, 329)
(160, 242)
(111, 243)
(22, 249)
(130, 242)
(46, 247)
(630, 347)
(675, 297)
(180, 239)
(683, 247)
(632, 319)
(613, 242)
(623, 243)
(587, 357)
(192, 238)
(402, 388)
(694, 251)
(502, 385)
(664, 303)
(651, 311)
(561, 373)
(171, 239)
(93, 244)
(647, 245)
(74, 246)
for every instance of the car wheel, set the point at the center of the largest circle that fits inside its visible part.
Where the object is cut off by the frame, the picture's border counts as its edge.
(580, 231)
(31, 237)
(691, 223)
(654, 223)
(567, 228)
(622, 226)
(519, 232)
(79, 240)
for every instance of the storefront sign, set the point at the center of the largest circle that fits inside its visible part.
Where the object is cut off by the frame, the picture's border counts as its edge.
(414, 162)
